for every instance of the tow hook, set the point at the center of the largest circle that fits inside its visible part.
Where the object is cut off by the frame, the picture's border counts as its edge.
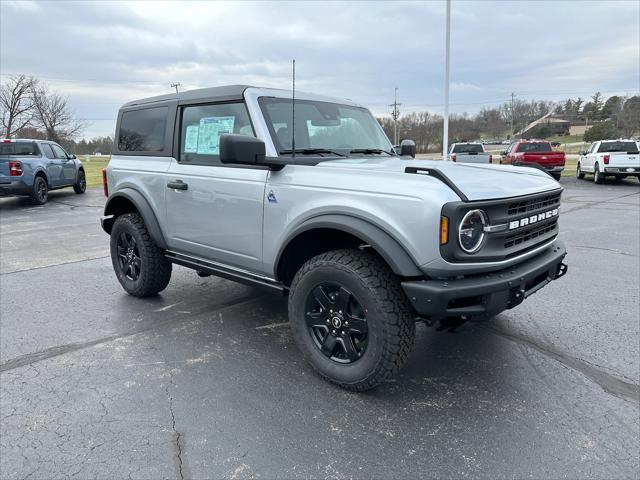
(516, 297)
(562, 270)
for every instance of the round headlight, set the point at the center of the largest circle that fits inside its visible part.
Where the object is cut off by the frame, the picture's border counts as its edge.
(471, 233)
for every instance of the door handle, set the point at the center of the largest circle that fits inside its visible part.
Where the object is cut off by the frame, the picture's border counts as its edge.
(178, 185)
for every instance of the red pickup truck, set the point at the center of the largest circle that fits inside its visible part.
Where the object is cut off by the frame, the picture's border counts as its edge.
(534, 153)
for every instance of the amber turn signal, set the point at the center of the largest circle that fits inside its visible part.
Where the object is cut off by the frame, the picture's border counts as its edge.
(444, 230)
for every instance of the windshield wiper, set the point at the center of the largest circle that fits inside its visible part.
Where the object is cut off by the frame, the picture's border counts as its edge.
(371, 150)
(313, 151)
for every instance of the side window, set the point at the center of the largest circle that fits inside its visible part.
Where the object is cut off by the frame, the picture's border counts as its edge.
(201, 127)
(591, 148)
(58, 152)
(46, 149)
(143, 130)
(511, 147)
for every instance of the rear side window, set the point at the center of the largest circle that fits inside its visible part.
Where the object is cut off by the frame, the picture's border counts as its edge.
(202, 126)
(143, 130)
(19, 148)
(46, 149)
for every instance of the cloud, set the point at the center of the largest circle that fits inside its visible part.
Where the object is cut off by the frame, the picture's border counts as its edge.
(102, 54)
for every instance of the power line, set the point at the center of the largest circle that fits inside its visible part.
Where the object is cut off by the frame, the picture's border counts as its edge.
(395, 113)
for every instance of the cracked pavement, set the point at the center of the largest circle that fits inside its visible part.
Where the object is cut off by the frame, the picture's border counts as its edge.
(204, 380)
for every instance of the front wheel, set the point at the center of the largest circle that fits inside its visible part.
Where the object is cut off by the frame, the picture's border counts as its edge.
(350, 318)
(138, 262)
(579, 172)
(81, 183)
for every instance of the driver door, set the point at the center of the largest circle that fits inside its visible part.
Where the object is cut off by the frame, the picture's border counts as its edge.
(214, 212)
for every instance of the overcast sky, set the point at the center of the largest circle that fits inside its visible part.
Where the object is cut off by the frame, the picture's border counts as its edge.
(102, 54)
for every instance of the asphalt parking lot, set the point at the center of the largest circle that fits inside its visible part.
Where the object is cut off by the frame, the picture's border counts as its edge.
(204, 380)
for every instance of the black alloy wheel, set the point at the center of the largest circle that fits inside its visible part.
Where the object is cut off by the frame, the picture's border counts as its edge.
(81, 184)
(40, 191)
(128, 256)
(336, 322)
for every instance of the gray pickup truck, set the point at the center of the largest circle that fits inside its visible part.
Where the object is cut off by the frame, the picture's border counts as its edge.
(309, 199)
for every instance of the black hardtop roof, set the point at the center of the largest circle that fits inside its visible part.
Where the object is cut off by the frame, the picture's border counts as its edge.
(224, 93)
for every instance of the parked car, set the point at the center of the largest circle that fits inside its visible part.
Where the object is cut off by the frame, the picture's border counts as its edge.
(614, 158)
(536, 153)
(363, 242)
(469, 153)
(33, 167)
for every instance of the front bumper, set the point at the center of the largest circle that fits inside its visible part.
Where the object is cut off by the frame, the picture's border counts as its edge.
(486, 295)
(15, 187)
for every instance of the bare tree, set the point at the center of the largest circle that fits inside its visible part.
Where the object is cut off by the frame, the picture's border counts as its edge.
(17, 104)
(54, 115)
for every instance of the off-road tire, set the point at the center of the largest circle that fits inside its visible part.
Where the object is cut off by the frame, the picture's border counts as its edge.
(597, 176)
(81, 183)
(579, 172)
(389, 316)
(40, 191)
(155, 269)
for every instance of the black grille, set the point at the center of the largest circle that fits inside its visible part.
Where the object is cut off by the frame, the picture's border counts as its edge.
(525, 206)
(530, 234)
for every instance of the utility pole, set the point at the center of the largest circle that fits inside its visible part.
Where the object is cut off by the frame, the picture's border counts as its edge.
(395, 113)
(513, 95)
(176, 85)
(447, 41)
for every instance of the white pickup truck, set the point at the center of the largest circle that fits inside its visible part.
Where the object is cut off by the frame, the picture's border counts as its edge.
(469, 153)
(616, 158)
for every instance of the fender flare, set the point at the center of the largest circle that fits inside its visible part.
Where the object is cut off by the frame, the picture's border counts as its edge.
(142, 206)
(384, 244)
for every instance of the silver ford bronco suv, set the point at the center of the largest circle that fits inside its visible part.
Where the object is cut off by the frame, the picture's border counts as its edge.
(308, 198)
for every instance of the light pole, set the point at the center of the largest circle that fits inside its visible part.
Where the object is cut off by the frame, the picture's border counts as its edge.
(445, 130)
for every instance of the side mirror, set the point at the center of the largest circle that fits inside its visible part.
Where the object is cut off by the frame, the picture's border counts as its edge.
(71, 156)
(408, 148)
(504, 152)
(582, 152)
(242, 149)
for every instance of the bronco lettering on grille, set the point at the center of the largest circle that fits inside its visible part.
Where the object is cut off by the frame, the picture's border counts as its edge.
(533, 219)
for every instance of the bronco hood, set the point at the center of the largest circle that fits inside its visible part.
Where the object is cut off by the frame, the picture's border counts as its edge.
(475, 181)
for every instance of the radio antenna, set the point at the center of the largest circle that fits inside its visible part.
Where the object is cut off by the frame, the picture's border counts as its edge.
(293, 113)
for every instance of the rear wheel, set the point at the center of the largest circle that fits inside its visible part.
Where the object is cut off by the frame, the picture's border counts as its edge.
(597, 176)
(81, 183)
(579, 172)
(138, 262)
(40, 191)
(351, 319)
(556, 176)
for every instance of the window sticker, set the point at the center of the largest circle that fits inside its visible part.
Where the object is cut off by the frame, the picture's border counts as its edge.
(209, 133)
(191, 139)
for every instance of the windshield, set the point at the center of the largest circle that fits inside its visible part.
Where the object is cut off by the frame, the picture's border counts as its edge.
(322, 126)
(535, 147)
(19, 148)
(467, 148)
(627, 147)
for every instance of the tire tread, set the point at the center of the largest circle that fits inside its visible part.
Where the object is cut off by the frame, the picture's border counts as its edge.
(399, 322)
(158, 268)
